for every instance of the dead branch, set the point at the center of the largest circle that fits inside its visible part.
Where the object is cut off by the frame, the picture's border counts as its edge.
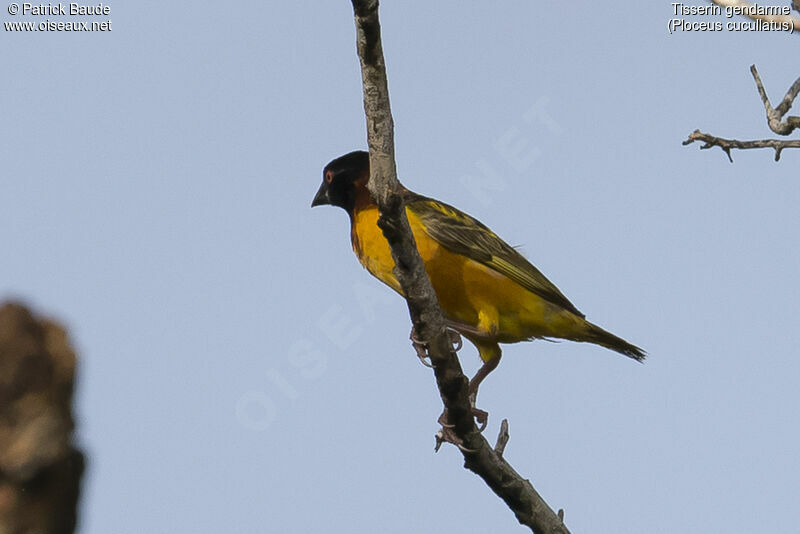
(775, 122)
(727, 144)
(528, 506)
(775, 116)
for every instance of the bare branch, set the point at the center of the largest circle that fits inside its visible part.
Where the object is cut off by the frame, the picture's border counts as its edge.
(727, 144)
(774, 120)
(751, 11)
(775, 116)
(788, 100)
(528, 506)
(761, 91)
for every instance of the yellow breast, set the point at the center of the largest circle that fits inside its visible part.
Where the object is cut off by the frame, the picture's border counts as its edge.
(469, 292)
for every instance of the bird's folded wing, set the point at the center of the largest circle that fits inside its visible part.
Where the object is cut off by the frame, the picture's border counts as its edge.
(462, 234)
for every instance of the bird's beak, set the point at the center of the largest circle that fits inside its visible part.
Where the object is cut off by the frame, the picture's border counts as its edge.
(323, 196)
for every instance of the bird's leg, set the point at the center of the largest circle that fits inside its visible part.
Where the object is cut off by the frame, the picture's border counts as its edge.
(481, 416)
(422, 347)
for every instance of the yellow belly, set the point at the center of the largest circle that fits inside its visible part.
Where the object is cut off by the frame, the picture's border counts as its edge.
(488, 305)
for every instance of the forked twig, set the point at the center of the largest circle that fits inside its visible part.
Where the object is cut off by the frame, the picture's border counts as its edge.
(775, 121)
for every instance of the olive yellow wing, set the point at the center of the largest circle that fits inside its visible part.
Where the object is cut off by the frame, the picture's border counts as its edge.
(465, 235)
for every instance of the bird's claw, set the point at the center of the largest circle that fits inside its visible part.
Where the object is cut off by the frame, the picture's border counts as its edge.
(481, 418)
(443, 420)
(455, 339)
(448, 435)
(421, 347)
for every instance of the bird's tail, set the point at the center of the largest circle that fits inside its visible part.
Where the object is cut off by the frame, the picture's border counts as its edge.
(598, 336)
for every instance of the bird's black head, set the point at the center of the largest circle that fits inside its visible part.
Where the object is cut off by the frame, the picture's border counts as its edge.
(339, 180)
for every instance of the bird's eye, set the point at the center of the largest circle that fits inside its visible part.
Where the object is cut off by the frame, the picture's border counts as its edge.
(329, 176)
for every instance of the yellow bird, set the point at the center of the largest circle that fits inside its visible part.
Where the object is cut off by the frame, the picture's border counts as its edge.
(487, 290)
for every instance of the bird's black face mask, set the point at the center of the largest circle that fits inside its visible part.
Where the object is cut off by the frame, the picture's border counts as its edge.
(338, 179)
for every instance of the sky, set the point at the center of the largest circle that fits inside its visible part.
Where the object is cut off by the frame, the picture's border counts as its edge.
(240, 372)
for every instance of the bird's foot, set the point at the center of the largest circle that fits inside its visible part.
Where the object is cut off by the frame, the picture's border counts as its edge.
(444, 420)
(481, 419)
(481, 416)
(421, 347)
(447, 434)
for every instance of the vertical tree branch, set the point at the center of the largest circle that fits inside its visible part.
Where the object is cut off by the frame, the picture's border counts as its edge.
(518, 493)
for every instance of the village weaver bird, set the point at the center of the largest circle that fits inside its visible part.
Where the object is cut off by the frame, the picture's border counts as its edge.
(487, 290)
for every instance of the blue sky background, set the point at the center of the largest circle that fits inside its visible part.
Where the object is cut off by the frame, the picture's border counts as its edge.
(240, 372)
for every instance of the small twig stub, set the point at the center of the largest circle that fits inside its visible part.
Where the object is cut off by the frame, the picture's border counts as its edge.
(502, 438)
